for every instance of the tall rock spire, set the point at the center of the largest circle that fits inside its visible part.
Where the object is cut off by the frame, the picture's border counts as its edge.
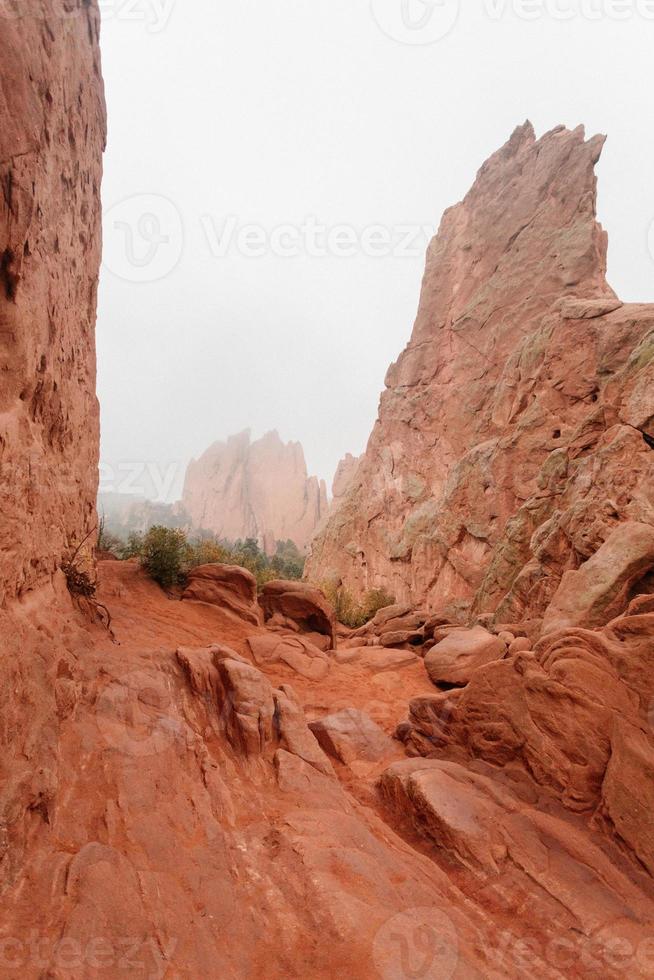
(515, 354)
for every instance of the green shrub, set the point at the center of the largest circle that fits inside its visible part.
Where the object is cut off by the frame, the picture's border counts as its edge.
(167, 555)
(351, 612)
(164, 554)
(205, 552)
(288, 562)
(375, 600)
(132, 548)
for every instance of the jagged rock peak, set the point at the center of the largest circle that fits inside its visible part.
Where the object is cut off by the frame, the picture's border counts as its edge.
(524, 379)
(240, 488)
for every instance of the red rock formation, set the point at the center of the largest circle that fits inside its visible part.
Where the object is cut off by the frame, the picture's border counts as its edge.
(345, 473)
(297, 606)
(227, 586)
(52, 132)
(243, 489)
(166, 808)
(515, 431)
(51, 139)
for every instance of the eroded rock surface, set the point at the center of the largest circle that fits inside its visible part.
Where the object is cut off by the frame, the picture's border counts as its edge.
(52, 134)
(51, 141)
(166, 808)
(453, 660)
(298, 606)
(227, 586)
(515, 431)
(602, 587)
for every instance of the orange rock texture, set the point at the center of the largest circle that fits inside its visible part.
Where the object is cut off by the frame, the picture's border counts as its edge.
(516, 431)
(51, 139)
(210, 788)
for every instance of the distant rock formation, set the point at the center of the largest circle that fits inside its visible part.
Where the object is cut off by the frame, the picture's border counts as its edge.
(260, 490)
(516, 431)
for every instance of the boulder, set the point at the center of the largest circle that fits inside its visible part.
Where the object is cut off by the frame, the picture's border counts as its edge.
(300, 602)
(434, 622)
(413, 621)
(295, 651)
(227, 586)
(602, 588)
(454, 660)
(248, 707)
(519, 645)
(351, 734)
(398, 638)
(387, 614)
(295, 736)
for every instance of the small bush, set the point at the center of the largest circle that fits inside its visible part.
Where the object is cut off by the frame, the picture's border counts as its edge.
(375, 600)
(353, 613)
(163, 555)
(167, 556)
(108, 542)
(132, 548)
(205, 553)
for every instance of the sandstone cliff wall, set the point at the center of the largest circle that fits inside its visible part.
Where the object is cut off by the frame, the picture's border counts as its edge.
(516, 429)
(261, 490)
(52, 133)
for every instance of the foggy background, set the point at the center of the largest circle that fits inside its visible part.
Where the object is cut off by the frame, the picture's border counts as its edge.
(366, 119)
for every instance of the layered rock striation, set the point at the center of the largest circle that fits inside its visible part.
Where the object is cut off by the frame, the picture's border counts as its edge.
(516, 430)
(261, 490)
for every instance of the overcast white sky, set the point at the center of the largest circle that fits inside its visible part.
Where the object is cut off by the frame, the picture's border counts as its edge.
(293, 116)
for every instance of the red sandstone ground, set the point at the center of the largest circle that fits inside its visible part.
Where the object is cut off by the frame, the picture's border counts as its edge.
(175, 844)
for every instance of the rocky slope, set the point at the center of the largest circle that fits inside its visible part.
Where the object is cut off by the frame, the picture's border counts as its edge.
(244, 489)
(516, 431)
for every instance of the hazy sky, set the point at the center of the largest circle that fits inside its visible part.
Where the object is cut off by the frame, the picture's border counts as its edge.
(273, 171)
